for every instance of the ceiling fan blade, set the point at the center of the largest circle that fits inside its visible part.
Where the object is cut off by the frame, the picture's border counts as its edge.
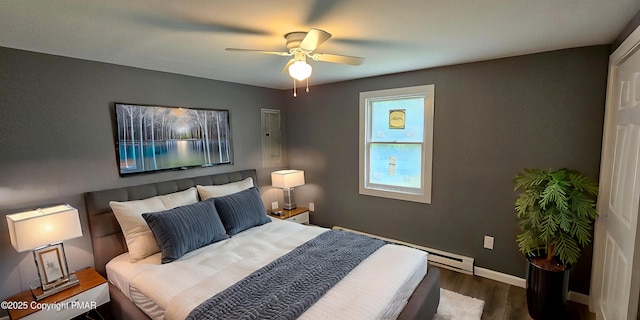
(314, 38)
(320, 9)
(286, 66)
(336, 58)
(191, 24)
(279, 53)
(365, 42)
(228, 28)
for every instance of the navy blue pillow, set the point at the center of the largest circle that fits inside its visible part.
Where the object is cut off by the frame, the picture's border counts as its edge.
(186, 228)
(241, 211)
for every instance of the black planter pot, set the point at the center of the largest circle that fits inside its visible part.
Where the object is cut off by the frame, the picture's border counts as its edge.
(547, 292)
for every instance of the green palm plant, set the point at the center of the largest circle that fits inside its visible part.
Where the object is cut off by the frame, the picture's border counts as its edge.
(555, 213)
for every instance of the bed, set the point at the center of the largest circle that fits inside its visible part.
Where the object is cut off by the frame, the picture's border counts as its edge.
(415, 293)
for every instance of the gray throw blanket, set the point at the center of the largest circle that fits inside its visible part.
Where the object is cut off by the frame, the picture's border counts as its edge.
(286, 287)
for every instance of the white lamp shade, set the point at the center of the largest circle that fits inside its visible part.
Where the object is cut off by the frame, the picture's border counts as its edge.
(36, 228)
(286, 179)
(300, 70)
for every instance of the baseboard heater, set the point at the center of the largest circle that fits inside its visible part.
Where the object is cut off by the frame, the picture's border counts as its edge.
(437, 257)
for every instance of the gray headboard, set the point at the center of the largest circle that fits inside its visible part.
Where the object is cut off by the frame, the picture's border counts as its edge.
(106, 235)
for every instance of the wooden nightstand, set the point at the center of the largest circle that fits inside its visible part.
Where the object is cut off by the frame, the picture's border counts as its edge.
(91, 293)
(299, 215)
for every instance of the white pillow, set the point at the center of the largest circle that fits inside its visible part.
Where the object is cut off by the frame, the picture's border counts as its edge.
(222, 190)
(140, 239)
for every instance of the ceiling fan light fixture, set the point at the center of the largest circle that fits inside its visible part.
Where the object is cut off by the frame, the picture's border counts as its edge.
(300, 70)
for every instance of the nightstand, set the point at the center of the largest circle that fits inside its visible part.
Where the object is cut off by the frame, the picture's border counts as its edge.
(91, 293)
(299, 215)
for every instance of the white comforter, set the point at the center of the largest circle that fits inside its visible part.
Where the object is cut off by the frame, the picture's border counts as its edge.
(378, 288)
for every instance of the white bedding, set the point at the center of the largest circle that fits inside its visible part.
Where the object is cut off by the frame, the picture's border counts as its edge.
(378, 288)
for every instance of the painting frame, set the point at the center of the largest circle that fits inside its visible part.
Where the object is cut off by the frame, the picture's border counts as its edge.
(151, 138)
(52, 265)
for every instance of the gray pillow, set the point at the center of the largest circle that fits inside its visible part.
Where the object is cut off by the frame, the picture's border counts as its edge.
(186, 228)
(241, 211)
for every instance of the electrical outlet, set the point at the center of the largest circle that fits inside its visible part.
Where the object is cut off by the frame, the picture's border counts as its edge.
(312, 206)
(274, 205)
(488, 242)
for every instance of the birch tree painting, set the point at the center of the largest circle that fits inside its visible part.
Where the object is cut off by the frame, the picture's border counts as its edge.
(154, 138)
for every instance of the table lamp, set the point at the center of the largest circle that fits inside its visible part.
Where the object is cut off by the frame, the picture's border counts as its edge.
(42, 231)
(287, 180)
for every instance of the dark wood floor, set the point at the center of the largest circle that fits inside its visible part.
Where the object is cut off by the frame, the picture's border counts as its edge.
(501, 301)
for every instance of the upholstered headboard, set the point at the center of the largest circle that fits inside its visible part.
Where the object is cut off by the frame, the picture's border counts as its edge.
(106, 235)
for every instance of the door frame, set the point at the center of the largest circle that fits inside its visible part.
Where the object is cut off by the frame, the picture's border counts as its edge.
(630, 45)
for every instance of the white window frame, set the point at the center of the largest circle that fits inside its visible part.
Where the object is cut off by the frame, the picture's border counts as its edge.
(422, 194)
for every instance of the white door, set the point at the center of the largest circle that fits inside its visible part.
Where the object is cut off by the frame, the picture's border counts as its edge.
(614, 287)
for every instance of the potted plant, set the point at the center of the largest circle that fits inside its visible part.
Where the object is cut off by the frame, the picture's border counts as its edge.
(555, 211)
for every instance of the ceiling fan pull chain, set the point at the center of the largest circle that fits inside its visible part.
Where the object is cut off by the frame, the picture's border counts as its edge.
(294, 88)
(307, 85)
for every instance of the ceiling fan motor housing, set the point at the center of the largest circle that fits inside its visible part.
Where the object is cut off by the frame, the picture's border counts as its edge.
(294, 39)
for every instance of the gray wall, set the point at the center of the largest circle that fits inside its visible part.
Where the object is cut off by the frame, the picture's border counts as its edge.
(56, 138)
(492, 119)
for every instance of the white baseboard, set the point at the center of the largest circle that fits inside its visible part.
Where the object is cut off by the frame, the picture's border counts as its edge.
(578, 297)
(522, 283)
(499, 276)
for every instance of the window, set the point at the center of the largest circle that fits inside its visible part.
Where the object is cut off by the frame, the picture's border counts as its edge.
(396, 143)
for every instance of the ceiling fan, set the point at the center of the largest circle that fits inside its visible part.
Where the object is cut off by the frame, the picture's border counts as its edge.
(302, 45)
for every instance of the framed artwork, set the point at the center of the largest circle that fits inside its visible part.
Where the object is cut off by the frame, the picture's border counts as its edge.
(152, 138)
(51, 264)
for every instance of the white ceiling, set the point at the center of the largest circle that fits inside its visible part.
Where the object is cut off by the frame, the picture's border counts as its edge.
(189, 36)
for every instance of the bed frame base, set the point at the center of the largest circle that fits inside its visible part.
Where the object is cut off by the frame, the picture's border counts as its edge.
(423, 304)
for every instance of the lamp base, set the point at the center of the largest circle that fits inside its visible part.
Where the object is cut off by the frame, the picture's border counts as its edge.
(62, 285)
(289, 206)
(289, 203)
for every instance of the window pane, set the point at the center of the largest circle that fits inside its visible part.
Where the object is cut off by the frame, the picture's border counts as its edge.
(396, 143)
(395, 165)
(383, 117)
